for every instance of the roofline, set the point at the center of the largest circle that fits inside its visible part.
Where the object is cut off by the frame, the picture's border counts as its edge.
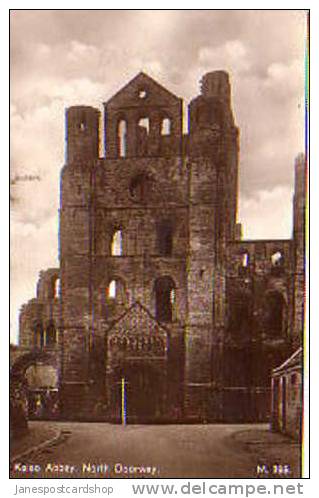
(287, 362)
(133, 79)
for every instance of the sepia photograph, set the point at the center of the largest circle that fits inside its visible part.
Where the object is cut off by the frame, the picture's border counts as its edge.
(158, 248)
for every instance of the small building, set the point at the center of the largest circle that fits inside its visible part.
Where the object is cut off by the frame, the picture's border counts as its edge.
(287, 396)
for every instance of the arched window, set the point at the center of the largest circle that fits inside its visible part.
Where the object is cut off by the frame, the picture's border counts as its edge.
(144, 123)
(277, 263)
(53, 287)
(116, 291)
(245, 260)
(164, 299)
(122, 138)
(142, 134)
(244, 263)
(116, 243)
(57, 288)
(112, 289)
(51, 337)
(166, 127)
(165, 237)
(277, 259)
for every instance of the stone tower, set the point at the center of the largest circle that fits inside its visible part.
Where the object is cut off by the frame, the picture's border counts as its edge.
(143, 233)
(160, 301)
(212, 156)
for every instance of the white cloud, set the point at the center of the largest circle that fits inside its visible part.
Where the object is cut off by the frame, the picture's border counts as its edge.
(67, 58)
(80, 52)
(268, 215)
(232, 56)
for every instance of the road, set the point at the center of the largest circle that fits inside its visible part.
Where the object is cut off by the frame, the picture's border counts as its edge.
(99, 450)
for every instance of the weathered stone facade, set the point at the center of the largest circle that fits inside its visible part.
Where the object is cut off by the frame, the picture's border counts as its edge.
(155, 286)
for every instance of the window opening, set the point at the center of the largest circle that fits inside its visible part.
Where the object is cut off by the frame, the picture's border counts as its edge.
(116, 244)
(112, 289)
(144, 123)
(166, 127)
(142, 94)
(245, 260)
(276, 259)
(57, 288)
(122, 132)
(172, 296)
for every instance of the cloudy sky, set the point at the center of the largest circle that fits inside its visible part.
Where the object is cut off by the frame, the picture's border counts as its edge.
(62, 58)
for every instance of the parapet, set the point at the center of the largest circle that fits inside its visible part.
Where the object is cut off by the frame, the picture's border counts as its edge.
(216, 84)
(82, 125)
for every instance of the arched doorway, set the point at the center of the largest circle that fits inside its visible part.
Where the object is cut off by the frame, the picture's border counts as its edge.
(143, 391)
(38, 372)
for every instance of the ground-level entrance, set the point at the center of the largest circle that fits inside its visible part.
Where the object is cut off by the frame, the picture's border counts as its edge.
(138, 393)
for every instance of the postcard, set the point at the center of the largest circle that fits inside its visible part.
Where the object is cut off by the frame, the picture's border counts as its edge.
(159, 183)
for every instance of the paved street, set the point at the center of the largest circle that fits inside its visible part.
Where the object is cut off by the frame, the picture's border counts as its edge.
(104, 450)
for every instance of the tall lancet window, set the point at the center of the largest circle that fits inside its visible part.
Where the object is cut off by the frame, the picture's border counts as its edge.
(122, 138)
(116, 244)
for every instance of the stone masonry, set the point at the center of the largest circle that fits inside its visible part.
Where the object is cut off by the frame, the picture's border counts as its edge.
(155, 287)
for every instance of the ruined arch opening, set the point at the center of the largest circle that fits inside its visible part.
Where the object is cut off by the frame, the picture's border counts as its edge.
(165, 297)
(43, 391)
(37, 374)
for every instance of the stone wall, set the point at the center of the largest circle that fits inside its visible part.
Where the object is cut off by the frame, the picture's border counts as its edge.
(232, 309)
